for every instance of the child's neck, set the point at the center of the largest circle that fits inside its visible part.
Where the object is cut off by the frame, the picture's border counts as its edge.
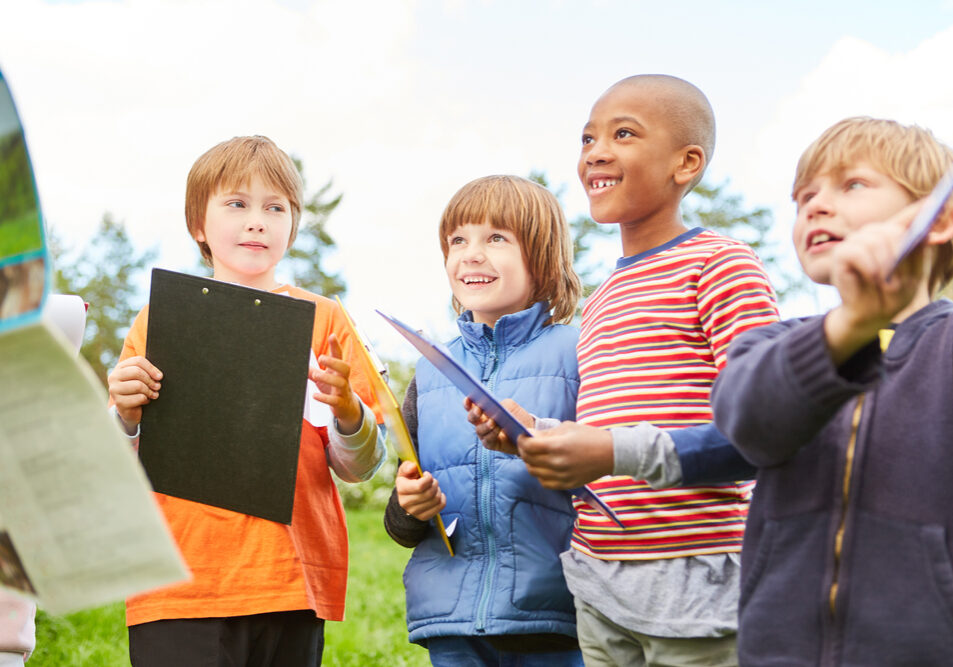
(921, 300)
(491, 319)
(643, 235)
(265, 282)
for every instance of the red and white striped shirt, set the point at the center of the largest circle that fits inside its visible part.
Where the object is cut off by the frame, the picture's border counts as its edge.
(654, 336)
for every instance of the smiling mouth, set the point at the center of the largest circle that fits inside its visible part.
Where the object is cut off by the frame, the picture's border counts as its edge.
(477, 280)
(600, 184)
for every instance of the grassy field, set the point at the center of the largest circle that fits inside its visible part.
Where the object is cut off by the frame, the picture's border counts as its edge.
(20, 235)
(373, 634)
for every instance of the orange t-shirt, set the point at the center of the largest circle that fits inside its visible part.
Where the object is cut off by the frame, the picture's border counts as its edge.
(247, 565)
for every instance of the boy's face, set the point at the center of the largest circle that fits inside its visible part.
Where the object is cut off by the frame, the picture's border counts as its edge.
(247, 231)
(487, 273)
(834, 204)
(628, 156)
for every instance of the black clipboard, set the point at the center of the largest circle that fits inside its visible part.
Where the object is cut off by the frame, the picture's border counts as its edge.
(226, 427)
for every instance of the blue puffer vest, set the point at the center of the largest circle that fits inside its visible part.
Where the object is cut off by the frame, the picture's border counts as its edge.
(506, 577)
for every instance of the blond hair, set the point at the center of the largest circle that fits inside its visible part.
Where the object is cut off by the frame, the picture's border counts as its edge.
(533, 214)
(908, 154)
(230, 165)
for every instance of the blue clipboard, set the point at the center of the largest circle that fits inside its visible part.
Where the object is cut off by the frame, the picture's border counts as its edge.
(921, 225)
(473, 389)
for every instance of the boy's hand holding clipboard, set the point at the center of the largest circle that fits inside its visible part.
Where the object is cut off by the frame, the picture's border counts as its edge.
(396, 427)
(474, 390)
(930, 212)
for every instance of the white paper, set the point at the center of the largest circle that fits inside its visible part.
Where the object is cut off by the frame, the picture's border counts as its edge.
(316, 413)
(67, 312)
(75, 499)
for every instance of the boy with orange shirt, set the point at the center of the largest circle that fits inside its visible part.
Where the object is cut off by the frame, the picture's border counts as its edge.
(261, 590)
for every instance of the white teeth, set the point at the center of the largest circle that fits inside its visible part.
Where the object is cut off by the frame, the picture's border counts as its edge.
(604, 183)
(820, 238)
(469, 280)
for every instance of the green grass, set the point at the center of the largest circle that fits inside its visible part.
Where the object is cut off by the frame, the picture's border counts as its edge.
(90, 637)
(20, 235)
(374, 632)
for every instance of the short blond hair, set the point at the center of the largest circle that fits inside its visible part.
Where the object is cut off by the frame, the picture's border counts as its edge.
(908, 154)
(230, 165)
(533, 214)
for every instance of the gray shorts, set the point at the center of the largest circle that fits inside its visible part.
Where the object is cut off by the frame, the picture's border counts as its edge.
(606, 644)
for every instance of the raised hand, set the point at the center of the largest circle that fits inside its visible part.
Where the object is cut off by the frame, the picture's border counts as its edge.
(871, 296)
(331, 376)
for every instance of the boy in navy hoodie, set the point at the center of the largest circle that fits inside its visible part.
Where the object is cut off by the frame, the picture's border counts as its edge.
(846, 557)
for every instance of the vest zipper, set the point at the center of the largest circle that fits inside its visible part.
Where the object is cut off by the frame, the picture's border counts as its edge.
(485, 498)
(845, 497)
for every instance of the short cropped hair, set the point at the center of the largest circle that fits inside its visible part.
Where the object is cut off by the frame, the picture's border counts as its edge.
(533, 214)
(230, 165)
(908, 154)
(689, 113)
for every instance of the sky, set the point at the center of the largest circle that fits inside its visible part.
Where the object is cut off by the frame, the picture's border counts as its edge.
(401, 102)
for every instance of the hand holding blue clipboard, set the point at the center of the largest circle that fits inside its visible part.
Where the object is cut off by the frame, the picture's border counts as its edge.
(398, 433)
(473, 389)
(920, 226)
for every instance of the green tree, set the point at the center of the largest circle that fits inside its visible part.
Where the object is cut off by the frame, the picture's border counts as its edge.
(310, 247)
(105, 274)
(710, 206)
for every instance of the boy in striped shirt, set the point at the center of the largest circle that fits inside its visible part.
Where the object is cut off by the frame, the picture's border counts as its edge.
(663, 589)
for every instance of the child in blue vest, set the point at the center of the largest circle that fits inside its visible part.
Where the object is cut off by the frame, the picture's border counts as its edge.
(501, 599)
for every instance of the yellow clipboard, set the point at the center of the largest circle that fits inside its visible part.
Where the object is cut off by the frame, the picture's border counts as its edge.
(399, 436)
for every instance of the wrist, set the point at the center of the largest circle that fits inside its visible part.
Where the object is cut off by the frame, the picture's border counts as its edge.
(846, 334)
(129, 426)
(600, 454)
(350, 423)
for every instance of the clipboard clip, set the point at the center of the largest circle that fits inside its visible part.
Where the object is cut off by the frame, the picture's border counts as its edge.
(379, 366)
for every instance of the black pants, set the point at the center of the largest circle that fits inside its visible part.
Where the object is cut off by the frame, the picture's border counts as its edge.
(278, 639)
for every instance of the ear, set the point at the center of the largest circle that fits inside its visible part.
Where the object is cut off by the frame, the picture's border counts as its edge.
(199, 236)
(942, 229)
(691, 163)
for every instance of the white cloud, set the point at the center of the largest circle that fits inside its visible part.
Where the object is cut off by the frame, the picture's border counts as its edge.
(119, 98)
(854, 78)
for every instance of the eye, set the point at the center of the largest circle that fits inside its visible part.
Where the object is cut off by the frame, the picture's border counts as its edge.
(804, 198)
(497, 238)
(624, 133)
(456, 240)
(587, 139)
(854, 184)
(277, 208)
(236, 203)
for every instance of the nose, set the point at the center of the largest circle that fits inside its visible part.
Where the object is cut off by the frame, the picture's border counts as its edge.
(255, 226)
(597, 152)
(819, 205)
(474, 253)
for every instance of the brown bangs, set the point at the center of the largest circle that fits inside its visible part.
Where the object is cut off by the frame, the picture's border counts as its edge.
(229, 165)
(533, 215)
